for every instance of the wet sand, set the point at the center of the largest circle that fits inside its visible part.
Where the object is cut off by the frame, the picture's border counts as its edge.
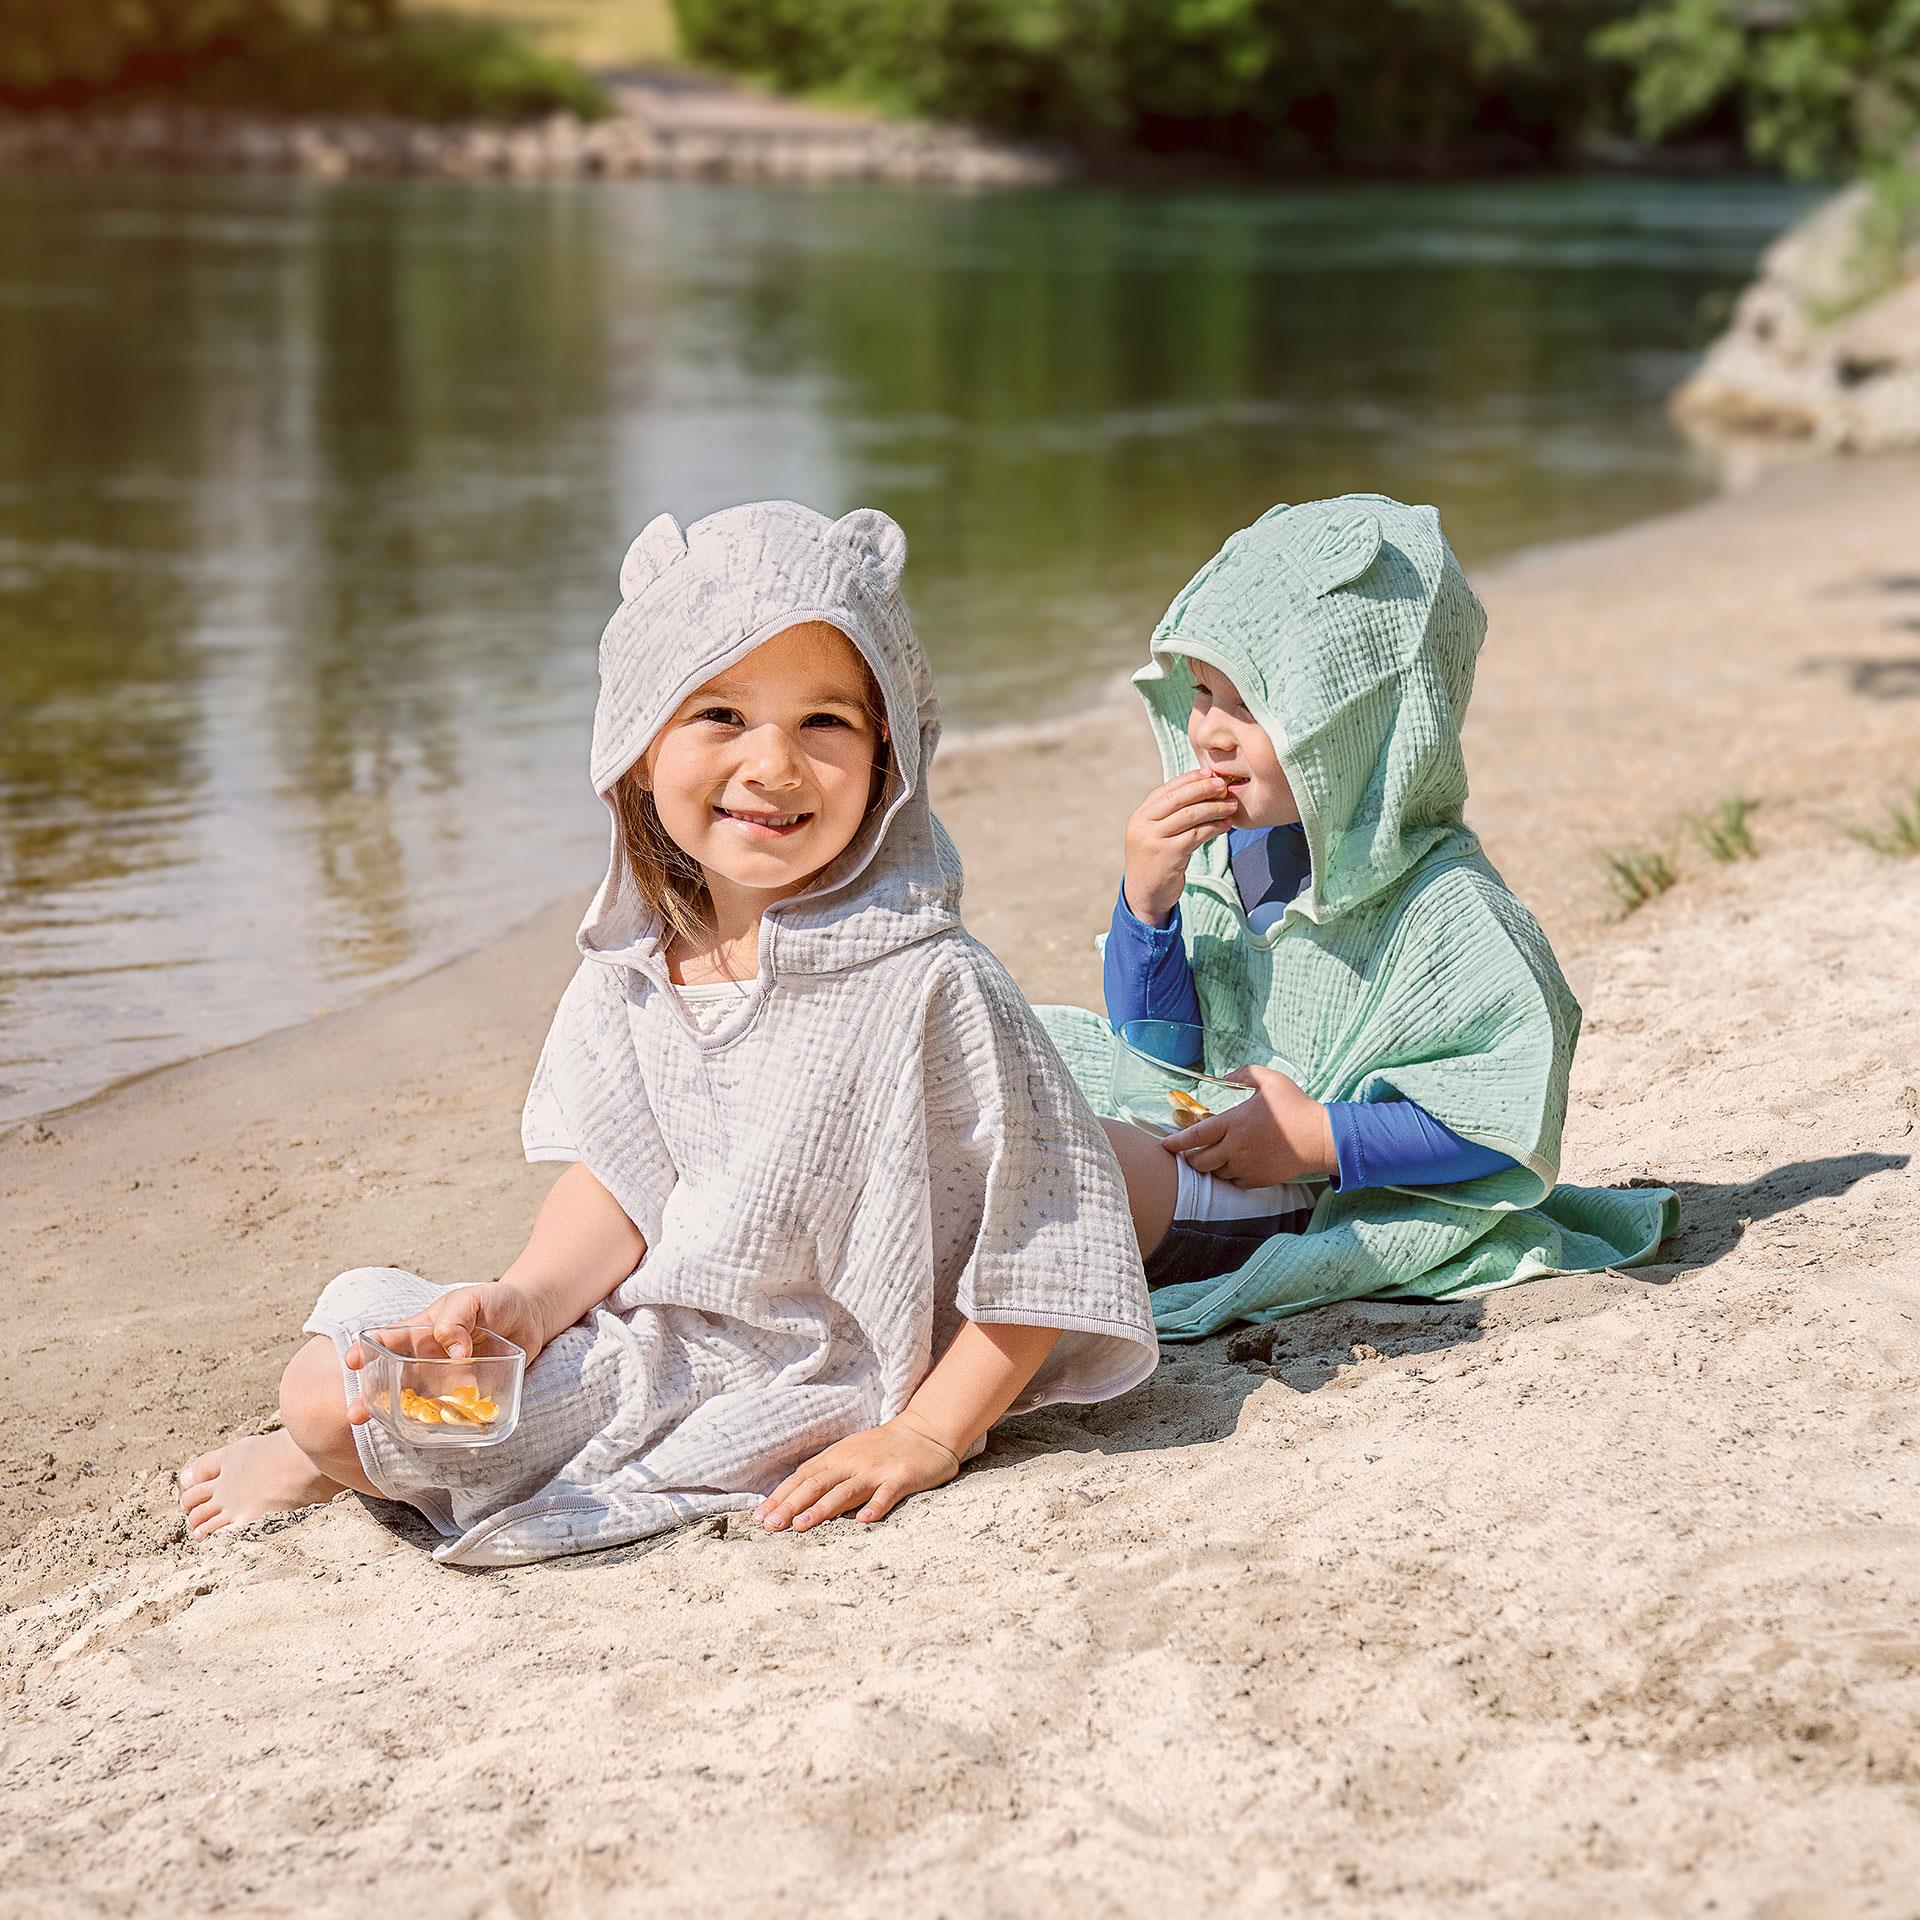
(1594, 1597)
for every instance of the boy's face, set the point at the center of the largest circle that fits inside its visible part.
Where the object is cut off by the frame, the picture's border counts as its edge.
(1229, 741)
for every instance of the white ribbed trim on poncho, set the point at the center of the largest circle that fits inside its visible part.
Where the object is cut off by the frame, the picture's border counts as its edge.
(881, 1142)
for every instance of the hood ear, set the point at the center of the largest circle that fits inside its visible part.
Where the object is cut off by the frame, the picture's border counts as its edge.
(875, 541)
(659, 544)
(1331, 548)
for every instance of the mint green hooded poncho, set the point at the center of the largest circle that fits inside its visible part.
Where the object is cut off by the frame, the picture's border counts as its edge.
(1405, 969)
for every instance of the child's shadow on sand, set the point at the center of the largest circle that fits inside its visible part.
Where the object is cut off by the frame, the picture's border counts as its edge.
(1197, 1393)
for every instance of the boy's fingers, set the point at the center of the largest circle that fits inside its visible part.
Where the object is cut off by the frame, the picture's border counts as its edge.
(1202, 813)
(1203, 1133)
(1184, 791)
(1208, 1159)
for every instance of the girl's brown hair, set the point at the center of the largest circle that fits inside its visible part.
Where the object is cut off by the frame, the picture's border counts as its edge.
(667, 877)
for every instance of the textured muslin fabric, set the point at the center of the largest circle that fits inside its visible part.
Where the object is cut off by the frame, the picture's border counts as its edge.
(878, 1143)
(1405, 969)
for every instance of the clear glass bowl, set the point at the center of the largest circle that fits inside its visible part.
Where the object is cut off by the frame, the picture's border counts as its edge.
(1156, 1058)
(427, 1400)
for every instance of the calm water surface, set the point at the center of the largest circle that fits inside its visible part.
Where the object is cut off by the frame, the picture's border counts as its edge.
(312, 498)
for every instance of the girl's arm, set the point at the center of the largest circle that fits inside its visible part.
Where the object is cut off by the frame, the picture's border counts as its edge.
(581, 1247)
(975, 1381)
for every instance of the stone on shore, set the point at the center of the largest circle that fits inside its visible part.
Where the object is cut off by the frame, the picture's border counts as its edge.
(1813, 357)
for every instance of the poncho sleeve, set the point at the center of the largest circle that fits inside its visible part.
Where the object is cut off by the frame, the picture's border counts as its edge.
(588, 1101)
(1015, 1152)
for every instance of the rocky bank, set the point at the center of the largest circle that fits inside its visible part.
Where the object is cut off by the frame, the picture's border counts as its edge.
(1824, 347)
(670, 125)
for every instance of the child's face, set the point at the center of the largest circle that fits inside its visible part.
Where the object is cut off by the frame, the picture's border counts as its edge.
(1229, 741)
(764, 773)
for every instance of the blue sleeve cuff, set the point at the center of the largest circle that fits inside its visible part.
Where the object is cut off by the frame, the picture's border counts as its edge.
(1398, 1143)
(1145, 930)
(1145, 971)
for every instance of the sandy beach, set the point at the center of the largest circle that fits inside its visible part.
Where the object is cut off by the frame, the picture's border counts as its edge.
(1596, 1597)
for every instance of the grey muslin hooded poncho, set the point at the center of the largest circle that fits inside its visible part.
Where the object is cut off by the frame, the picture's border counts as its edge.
(1405, 969)
(878, 1143)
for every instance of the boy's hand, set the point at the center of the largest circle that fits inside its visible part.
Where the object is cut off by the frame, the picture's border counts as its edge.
(445, 1330)
(1161, 835)
(1279, 1135)
(873, 1471)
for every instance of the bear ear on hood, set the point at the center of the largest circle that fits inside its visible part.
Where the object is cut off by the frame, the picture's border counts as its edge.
(875, 542)
(657, 546)
(1332, 544)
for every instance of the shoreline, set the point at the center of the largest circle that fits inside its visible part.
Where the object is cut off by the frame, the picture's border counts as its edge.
(1106, 720)
(1426, 1575)
(670, 126)
(687, 124)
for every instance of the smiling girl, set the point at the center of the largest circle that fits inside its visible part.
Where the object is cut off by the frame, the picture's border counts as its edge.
(835, 1205)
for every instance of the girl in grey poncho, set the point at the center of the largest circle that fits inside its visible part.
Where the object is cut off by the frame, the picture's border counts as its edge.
(835, 1204)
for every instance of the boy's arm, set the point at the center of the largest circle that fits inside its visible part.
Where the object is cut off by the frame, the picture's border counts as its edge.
(1285, 1134)
(1398, 1143)
(1145, 970)
(975, 1381)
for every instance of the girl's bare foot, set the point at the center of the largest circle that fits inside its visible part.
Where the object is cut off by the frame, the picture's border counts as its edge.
(258, 1474)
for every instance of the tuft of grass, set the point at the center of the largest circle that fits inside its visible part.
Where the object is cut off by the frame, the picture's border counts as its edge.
(1636, 875)
(1724, 832)
(1899, 836)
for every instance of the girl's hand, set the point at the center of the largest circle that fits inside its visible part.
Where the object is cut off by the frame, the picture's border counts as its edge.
(873, 1471)
(1161, 835)
(1279, 1135)
(445, 1330)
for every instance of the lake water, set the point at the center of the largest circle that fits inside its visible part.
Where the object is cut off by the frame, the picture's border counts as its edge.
(312, 498)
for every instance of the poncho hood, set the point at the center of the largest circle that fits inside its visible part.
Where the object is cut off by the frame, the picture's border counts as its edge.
(694, 601)
(1351, 634)
(874, 1147)
(1406, 970)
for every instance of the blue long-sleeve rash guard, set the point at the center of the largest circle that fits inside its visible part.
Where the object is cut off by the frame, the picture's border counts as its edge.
(1386, 1143)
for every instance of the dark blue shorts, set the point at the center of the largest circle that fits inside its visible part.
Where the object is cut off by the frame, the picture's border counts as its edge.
(1203, 1250)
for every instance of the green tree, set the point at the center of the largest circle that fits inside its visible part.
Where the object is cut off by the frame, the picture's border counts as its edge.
(1393, 83)
(1822, 87)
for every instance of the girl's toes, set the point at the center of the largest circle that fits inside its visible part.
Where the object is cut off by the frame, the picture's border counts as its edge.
(209, 1519)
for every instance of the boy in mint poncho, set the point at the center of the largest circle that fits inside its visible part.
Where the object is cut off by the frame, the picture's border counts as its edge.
(1305, 907)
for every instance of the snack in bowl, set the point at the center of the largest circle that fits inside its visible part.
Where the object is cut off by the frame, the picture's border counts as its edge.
(1186, 1108)
(462, 1406)
(426, 1398)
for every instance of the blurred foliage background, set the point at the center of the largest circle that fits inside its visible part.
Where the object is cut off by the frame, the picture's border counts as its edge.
(1815, 87)
(289, 56)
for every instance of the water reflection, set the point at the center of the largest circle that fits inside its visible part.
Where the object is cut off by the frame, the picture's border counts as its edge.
(311, 498)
